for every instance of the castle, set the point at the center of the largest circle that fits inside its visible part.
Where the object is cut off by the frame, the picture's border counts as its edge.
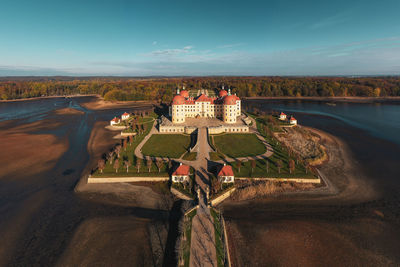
(225, 107)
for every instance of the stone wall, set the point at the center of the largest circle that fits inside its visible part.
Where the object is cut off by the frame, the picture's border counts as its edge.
(222, 197)
(295, 180)
(96, 180)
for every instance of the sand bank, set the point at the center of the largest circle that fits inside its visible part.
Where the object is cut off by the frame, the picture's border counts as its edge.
(99, 103)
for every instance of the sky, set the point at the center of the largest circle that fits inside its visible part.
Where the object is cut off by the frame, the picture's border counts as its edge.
(175, 38)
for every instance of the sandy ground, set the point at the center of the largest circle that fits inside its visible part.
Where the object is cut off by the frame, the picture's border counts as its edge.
(25, 153)
(68, 111)
(321, 228)
(99, 103)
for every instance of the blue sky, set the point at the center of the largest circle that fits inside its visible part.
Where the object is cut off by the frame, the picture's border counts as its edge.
(135, 38)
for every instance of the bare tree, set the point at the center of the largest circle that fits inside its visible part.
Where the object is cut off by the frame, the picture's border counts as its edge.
(101, 164)
(127, 163)
(124, 144)
(267, 165)
(116, 165)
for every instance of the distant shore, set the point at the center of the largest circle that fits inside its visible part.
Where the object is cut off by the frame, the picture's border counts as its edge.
(359, 99)
(44, 97)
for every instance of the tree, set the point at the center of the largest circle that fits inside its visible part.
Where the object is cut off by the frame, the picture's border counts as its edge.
(149, 163)
(292, 166)
(253, 165)
(169, 165)
(138, 164)
(101, 164)
(159, 164)
(116, 165)
(267, 165)
(124, 144)
(127, 163)
(118, 150)
(279, 164)
(238, 164)
(110, 156)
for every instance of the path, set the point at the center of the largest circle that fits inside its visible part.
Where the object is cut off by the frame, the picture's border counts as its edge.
(202, 250)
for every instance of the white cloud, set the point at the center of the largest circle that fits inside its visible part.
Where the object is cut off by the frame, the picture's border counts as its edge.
(154, 42)
(229, 45)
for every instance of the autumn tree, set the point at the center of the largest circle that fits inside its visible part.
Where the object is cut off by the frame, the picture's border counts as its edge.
(138, 164)
(253, 165)
(291, 165)
(279, 164)
(127, 163)
(116, 165)
(238, 164)
(101, 164)
(149, 163)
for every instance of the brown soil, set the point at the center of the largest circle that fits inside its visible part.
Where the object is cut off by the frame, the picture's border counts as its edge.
(96, 239)
(68, 111)
(99, 103)
(26, 153)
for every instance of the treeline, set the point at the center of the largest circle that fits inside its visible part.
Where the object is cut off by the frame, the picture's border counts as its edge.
(163, 89)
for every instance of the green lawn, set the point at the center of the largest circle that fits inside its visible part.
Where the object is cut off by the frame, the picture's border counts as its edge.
(239, 145)
(190, 156)
(166, 145)
(128, 154)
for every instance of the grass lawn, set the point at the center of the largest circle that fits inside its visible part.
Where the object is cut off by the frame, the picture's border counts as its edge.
(129, 154)
(214, 156)
(190, 156)
(239, 145)
(166, 145)
(218, 237)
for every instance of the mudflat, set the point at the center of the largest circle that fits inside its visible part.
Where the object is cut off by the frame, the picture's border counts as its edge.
(315, 228)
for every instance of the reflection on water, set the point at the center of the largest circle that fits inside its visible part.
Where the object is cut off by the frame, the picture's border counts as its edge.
(379, 119)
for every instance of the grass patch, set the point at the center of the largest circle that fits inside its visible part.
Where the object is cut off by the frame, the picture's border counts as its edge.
(219, 246)
(214, 156)
(239, 145)
(190, 156)
(166, 145)
(129, 154)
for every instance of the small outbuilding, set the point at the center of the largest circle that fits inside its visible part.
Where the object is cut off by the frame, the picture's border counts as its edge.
(125, 116)
(181, 174)
(282, 116)
(115, 121)
(226, 174)
(293, 121)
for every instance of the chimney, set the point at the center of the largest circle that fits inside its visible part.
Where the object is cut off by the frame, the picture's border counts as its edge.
(180, 163)
(224, 164)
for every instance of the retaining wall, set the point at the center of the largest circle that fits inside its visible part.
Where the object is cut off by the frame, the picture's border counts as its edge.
(95, 180)
(179, 194)
(222, 197)
(295, 180)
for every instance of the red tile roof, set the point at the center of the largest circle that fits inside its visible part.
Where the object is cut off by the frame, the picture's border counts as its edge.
(292, 118)
(184, 93)
(115, 119)
(178, 100)
(226, 171)
(181, 170)
(125, 114)
(223, 93)
(203, 98)
(230, 100)
(283, 114)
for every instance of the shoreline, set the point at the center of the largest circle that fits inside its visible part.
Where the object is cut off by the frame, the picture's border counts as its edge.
(353, 99)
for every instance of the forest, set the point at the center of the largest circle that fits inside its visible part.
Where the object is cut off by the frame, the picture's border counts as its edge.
(163, 89)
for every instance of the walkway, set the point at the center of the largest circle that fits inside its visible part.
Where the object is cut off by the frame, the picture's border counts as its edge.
(202, 250)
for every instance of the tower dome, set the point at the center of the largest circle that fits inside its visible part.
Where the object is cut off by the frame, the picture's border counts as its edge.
(178, 100)
(223, 93)
(230, 100)
(184, 93)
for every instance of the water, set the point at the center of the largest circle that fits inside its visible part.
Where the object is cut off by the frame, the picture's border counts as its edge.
(379, 119)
